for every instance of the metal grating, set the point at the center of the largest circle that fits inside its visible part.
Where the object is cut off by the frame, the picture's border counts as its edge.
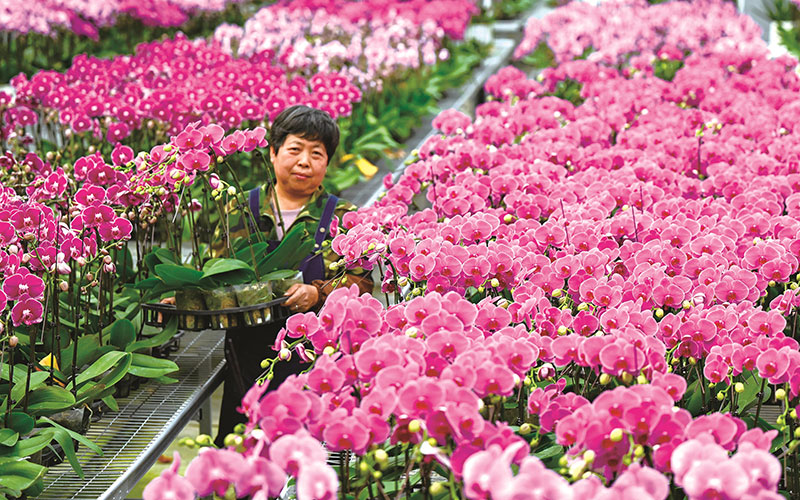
(148, 421)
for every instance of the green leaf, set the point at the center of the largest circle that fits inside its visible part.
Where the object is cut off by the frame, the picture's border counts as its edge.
(177, 276)
(752, 386)
(20, 422)
(150, 367)
(49, 399)
(21, 384)
(91, 391)
(280, 274)
(68, 446)
(8, 437)
(158, 256)
(75, 435)
(105, 363)
(222, 266)
(245, 254)
(549, 452)
(111, 402)
(122, 333)
(88, 350)
(18, 474)
(695, 399)
(65, 438)
(147, 283)
(166, 334)
(28, 446)
(19, 371)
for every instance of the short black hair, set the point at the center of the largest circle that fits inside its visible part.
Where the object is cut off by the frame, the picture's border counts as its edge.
(307, 123)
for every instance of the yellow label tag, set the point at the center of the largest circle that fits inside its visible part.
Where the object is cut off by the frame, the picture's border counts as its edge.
(366, 168)
(49, 360)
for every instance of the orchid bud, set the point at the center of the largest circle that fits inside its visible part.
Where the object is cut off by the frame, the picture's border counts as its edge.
(494, 282)
(412, 332)
(285, 354)
(546, 371)
(562, 330)
(381, 456)
(616, 435)
(525, 429)
(780, 394)
(63, 286)
(720, 396)
(576, 469)
(89, 276)
(231, 191)
(641, 379)
(436, 488)
(26, 257)
(109, 268)
(627, 378)
(305, 355)
(414, 426)
(81, 261)
(329, 350)
(13, 341)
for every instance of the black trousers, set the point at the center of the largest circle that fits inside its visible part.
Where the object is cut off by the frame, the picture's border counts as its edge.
(245, 348)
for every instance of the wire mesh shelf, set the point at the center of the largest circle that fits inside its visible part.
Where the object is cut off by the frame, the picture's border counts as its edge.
(146, 423)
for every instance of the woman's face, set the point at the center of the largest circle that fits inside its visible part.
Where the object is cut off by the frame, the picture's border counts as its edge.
(300, 166)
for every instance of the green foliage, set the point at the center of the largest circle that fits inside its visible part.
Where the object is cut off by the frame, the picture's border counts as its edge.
(295, 245)
(122, 333)
(507, 9)
(666, 68)
(569, 90)
(17, 475)
(542, 57)
(33, 52)
(790, 38)
(150, 367)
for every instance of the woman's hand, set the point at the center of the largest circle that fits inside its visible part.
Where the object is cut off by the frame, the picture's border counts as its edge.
(301, 297)
(165, 300)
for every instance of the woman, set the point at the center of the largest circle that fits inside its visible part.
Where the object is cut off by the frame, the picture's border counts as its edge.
(302, 142)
